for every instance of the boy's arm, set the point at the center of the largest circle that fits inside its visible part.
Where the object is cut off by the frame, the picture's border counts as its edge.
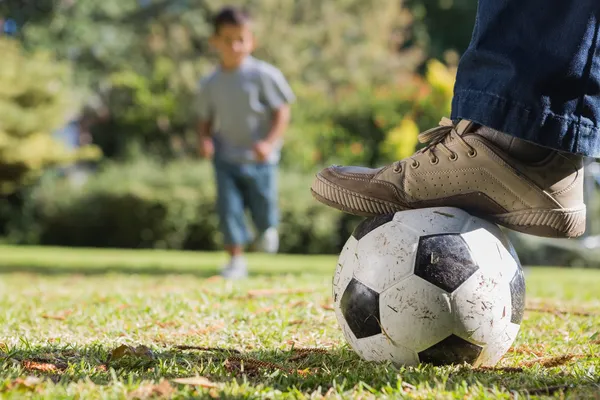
(204, 120)
(204, 129)
(278, 95)
(279, 123)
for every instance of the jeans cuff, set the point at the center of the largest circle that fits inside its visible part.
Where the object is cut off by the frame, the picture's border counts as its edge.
(540, 125)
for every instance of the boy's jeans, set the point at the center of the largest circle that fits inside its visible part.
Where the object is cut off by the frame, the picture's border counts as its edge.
(245, 185)
(533, 70)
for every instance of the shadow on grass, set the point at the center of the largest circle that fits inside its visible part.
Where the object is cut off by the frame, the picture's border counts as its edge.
(201, 272)
(305, 370)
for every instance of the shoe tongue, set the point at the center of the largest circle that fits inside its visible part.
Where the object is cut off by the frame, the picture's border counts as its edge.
(464, 127)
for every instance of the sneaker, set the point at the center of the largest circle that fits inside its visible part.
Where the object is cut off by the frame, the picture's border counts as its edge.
(512, 182)
(268, 242)
(236, 268)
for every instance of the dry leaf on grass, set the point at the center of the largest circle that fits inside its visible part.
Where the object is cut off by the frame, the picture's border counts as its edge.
(328, 307)
(305, 352)
(163, 389)
(58, 317)
(299, 303)
(168, 324)
(122, 351)
(550, 362)
(500, 369)
(3, 348)
(196, 381)
(39, 366)
(538, 350)
(101, 368)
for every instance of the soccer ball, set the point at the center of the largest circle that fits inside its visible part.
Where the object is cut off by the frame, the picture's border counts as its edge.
(436, 286)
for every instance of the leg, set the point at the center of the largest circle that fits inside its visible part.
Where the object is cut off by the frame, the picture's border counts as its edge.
(532, 70)
(262, 198)
(230, 207)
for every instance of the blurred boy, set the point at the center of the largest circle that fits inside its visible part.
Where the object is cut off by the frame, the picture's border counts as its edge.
(243, 109)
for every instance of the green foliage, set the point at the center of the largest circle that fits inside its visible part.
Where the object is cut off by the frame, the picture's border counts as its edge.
(148, 111)
(440, 26)
(34, 100)
(149, 205)
(370, 126)
(333, 44)
(144, 61)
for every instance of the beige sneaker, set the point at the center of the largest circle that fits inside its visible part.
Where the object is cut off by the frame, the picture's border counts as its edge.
(466, 169)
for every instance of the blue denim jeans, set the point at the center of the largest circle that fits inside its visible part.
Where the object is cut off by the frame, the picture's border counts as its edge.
(532, 70)
(241, 187)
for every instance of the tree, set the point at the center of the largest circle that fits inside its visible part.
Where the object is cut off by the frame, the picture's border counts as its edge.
(35, 99)
(144, 58)
(333, 44)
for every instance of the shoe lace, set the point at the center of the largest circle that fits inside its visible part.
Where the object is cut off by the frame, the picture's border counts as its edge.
(436, 139)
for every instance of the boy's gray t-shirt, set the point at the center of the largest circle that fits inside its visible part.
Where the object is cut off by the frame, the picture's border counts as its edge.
(240, 104)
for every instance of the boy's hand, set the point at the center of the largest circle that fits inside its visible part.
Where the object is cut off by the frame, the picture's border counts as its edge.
(206, 148)
(262, 150)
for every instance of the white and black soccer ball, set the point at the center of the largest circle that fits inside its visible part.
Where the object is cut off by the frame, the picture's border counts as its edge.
(436, 286)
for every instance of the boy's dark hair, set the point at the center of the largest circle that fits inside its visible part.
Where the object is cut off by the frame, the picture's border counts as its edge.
(230, 15)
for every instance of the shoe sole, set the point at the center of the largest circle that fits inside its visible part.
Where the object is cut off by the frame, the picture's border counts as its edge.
(552, 223)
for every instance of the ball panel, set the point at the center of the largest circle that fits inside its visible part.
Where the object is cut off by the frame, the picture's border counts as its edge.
(517, 295)
(481, 307)
(451, 350)
(415, 313)
(345, 269)
(432, 221)
(490, 248)
(495, 349)
(491, 255)
(444, 260)
(386, 256)
(360, 307)
(341, 279)
(380, 349)
(369, 224)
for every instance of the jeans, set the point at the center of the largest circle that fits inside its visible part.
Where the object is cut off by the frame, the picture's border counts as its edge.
(532, 70)
(241, 186)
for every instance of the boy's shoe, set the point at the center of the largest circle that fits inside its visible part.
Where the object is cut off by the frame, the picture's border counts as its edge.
(512, 182)
(269, 241)
(236, 268)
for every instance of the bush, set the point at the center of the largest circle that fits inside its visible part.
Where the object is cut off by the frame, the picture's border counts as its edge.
(149, 205)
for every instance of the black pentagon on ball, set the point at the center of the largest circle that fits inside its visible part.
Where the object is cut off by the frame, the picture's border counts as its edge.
(452, 350)
(517, 296)
(369, 224)
(360, 308)
(444, 260)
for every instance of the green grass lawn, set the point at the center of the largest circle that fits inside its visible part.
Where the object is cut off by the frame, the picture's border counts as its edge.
(65, 311)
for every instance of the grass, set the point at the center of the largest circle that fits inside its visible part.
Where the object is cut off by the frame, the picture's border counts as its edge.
(66, 312)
